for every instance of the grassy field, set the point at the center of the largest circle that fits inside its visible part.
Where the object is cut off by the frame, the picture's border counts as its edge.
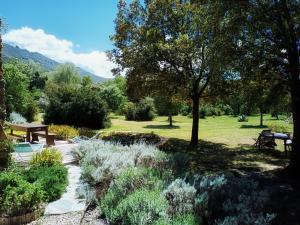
(223, 129)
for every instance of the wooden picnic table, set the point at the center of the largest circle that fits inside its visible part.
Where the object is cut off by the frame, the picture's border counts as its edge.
(29, 128)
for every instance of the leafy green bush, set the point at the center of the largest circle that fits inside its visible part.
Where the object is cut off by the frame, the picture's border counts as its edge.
(279, 128)
(129, 181)
(63, 132)
(227, 110)
(18, 196)
(187, 219)
(142, 111)
(84, 131)
(53, 179)
(140, 207)
(6, 148)
(202, 112)
(126, 138)
(47, 157)
(77, 106)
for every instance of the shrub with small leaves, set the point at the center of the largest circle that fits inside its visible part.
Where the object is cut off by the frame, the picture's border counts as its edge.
(101, 162)
(52, 179)
(47, 157)
(279, 128)
(18, 196)
(129, 181)
(181, 197)
(187, 219)
(224, 199)
(140, 207)
(63, 132)
(6, 148)
(126, 138)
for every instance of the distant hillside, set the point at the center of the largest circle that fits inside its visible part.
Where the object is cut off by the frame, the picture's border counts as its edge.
(48, 64)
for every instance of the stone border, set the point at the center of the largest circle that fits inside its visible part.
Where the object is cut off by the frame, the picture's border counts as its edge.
(22, 219)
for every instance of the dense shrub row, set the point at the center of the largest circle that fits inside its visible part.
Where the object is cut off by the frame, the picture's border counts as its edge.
(134, 185)
(215, 110)
(77, 106)
(126, 138)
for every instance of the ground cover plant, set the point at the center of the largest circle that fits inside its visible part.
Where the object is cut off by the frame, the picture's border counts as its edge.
(128, 191)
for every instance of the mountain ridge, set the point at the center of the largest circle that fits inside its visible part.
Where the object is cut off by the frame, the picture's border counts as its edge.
(48, 64)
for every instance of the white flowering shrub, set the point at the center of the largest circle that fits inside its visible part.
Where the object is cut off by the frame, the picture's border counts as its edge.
(16, 118)
(181, 197)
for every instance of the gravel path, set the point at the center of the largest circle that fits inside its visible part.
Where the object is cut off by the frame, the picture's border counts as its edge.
(90, 218)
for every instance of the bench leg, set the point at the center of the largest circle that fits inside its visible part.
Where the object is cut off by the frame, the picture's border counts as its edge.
(35, 137)
(50, 140)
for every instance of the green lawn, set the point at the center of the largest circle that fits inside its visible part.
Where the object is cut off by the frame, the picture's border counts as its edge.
(223, 129)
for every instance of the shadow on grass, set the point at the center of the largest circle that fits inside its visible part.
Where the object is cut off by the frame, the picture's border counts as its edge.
(167, 127)
(244, 126)
(216, 157)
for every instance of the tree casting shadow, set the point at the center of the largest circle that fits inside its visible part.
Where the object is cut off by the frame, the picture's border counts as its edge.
(167, 127)
(244, 126)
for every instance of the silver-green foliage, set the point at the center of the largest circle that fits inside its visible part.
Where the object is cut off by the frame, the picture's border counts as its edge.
(141, 207)
(16, 118)
(181, 197)
(227, 200)
(101, 162)
(129, 181)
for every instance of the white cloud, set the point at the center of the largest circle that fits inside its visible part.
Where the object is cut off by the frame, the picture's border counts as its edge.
(59, 49)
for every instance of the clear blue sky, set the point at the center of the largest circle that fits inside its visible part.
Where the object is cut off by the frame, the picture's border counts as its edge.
(88, 23)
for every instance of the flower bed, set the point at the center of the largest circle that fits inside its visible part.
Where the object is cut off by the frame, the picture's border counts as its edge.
(138, 184)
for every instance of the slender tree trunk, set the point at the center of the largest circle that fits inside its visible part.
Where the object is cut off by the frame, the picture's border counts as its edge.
(294, 69)
(2, 87)
(261, 117)
(170, 119)
(2, 91)
(195, 126)
(295, 154)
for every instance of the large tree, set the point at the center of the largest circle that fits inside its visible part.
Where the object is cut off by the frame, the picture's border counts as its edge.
(185, 39)
(272, 33)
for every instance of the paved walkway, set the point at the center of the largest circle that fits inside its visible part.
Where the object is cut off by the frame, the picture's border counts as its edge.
(69, 201)
(63, 146)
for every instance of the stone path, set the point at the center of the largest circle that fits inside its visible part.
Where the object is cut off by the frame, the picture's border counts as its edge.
(69, 201)
(68, 210)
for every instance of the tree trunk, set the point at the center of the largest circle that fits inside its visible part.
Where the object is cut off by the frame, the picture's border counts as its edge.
(261, 117)
(295, 154)
(195, 126)
(170, 120)
(2, 87)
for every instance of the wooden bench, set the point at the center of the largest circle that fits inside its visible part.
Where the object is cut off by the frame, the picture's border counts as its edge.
(49, 137)
(17, 137)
